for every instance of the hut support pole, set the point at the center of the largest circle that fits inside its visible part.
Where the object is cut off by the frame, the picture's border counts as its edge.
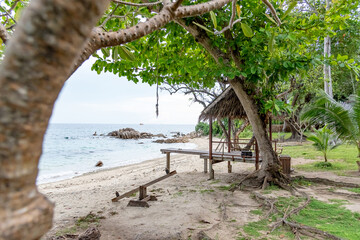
(167, 162)
(229, 144)
(211, 170)
(256, 155)
(205, 165)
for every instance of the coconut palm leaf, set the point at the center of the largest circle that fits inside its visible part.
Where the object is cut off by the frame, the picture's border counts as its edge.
(323, 141)
(338, 118)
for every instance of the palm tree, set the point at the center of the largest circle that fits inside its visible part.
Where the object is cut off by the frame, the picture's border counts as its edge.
(323, 141)
(343, 119)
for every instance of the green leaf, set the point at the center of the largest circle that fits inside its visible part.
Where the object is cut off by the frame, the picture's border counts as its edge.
(203, 27)
(125, 53)
(271, 42)
(270, 18)
(105, 51)
(291, 7)
(213, 18)
(246, 30)
(115, 53)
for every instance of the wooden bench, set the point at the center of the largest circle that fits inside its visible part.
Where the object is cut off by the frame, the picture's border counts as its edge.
(227, 156)
(217, 157)
(167, 151)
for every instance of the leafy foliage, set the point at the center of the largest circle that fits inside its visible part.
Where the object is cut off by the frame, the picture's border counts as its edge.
(323, 141)
(341, 118)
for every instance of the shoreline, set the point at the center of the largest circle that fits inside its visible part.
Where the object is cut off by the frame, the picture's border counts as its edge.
(92, 193)
(109, 169)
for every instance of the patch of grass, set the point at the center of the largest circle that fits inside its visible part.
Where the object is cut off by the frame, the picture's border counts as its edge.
(70, 230)
(256, 229)
(226, 188)
(271, 188)
(342, 158)
(215, 181)
(323, 165)
(178, 194)
(339, 201)
(207, 190)
(329, 217)
(256, 212)
(355, 190)
(302, 182)
(332, 218)
(85, 222)
(81, 224)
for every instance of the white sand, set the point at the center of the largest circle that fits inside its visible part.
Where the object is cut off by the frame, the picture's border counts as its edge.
(185, 201)
(188, 202)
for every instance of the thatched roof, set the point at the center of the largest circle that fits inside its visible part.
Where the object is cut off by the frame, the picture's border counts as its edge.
(227, 104)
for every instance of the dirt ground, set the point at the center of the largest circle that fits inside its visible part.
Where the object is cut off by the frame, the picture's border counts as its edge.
(188, 203)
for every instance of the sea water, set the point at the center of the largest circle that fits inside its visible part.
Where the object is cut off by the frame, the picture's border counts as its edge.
(71, 149)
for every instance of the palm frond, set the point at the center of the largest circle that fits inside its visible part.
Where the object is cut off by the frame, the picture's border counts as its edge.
(325, 110)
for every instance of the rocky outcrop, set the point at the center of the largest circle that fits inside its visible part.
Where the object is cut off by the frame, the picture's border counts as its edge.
(130, 133)
(173, 140)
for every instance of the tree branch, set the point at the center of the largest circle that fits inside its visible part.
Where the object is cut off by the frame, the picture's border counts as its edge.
(138, 4)
(4, 35)
(201, 37)
(273, 11)
(100, 39)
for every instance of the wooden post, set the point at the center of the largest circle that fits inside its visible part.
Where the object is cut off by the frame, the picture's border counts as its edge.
(205, 165)
(210, 149)
(358, 163)
(256, 155)
(167, 162)
(211, 170)
(142, 192)
(229, 144)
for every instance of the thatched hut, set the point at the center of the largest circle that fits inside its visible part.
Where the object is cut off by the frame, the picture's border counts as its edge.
(226, 105)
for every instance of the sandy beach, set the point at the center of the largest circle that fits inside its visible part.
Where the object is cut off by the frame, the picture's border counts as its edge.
(189, 204)
(184, 201)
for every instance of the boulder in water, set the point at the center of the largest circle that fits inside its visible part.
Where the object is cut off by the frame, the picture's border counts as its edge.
(99, 164)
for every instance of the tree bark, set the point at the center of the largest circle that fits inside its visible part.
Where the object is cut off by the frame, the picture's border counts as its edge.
(222, 126)
(4, 36)
(270, 164)
(270, 167)
(38, 59)
(100, 39)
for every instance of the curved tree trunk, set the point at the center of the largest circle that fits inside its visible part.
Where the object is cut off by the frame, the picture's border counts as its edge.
(270, 167)
(38, 58)
(250, 143)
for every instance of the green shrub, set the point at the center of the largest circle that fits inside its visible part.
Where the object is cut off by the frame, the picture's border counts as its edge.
(323, 165)
(204, 127)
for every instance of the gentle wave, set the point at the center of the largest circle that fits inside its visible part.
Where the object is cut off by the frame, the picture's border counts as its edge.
(71, 149)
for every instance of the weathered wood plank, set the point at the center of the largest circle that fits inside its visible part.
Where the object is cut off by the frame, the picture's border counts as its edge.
(129, 193)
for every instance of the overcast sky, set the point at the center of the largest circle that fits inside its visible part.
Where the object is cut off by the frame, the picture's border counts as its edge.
(91, 98)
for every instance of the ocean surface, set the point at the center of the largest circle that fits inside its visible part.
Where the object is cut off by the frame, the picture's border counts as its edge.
(71, 149)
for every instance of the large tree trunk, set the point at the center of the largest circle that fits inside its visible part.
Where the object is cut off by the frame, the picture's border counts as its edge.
(270, 167)
(48, 39)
